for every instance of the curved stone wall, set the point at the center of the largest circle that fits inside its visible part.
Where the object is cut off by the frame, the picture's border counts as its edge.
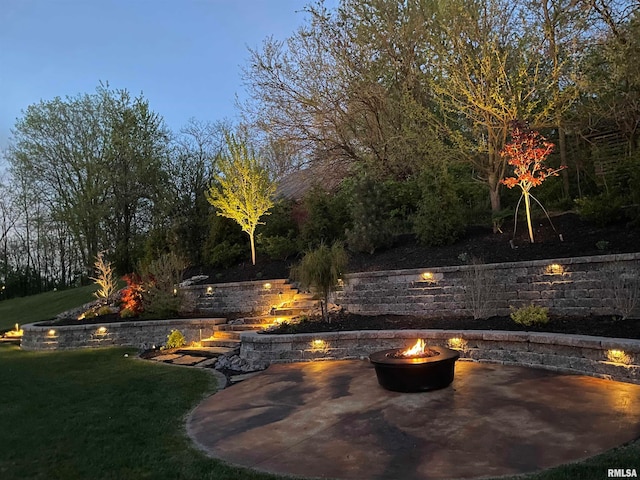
(141, 334)
(612, 358)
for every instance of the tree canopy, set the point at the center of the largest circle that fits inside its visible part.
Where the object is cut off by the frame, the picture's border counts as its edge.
(241, 189)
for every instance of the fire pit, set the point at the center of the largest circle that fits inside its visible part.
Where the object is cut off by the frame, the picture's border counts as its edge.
(417, 369)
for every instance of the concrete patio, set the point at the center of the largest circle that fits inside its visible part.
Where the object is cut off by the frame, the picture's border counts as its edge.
(333, 420)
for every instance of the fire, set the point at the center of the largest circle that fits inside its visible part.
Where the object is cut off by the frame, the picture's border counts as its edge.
(417, 349)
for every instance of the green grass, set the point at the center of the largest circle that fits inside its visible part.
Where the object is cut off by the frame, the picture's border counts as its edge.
(94, 414)
(42, 306)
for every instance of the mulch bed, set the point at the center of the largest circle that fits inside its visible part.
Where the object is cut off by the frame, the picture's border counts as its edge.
(605, 326)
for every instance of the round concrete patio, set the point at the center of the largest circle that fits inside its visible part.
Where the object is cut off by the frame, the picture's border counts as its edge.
(333, 420)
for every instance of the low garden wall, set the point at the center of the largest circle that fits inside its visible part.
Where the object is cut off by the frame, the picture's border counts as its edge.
(611, 358)
(141, 334)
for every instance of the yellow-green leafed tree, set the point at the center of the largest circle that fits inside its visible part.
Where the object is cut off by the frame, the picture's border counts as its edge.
(242, 189)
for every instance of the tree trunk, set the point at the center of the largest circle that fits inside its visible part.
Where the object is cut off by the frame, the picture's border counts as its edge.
(527, 204)
(562, 145)
(494, 196)
(253, 249)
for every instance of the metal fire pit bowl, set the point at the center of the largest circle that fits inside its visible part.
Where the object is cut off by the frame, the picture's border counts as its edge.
(414, 374)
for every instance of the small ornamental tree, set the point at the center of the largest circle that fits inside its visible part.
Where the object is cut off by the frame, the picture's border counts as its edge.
(242, 189)
(104, 279)
(320, 270)
(526, 153)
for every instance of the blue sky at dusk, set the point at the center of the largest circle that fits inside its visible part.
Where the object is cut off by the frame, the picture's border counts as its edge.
(185, 56)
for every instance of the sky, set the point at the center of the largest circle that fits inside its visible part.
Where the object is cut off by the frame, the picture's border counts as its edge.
(184, 56)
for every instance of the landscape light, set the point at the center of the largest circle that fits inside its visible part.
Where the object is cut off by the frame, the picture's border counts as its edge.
(554, 269)
(457, 343)
(319, 345)
(618, 356)
(428, 276)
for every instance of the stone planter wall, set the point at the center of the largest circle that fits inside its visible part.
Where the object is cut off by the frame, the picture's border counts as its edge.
(612, 358)
(244, 297)
(598, 285)
(141, 334)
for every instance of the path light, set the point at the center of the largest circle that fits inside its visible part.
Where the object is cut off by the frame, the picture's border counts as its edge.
(267, 286)
(102, 330)
(209, 290)
(618, 356)
(457, 343)
(554, 269)
(175, 292)
(51, 332)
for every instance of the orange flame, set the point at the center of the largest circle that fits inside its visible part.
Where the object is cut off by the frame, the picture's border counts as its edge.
(417, 349)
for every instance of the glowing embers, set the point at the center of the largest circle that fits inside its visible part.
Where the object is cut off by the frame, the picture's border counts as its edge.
(618, 356)
(418, 350)
(457, 343)
(554, 269)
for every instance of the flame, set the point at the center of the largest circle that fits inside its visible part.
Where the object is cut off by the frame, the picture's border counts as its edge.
(417, 349)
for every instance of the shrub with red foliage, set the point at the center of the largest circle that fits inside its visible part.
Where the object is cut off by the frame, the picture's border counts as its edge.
(132, 296)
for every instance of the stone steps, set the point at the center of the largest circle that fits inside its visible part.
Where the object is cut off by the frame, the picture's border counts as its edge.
(217, 342)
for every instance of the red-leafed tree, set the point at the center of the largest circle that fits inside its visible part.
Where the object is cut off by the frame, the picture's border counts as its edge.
(526, 153)
(131, 300)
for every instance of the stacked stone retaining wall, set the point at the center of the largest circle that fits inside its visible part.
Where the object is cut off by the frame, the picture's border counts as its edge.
(257, 297)
(140, 334)
(612, 358)
(597, 285)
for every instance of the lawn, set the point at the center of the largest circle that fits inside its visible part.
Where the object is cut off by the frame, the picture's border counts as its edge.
(42, 306)
(96, 414)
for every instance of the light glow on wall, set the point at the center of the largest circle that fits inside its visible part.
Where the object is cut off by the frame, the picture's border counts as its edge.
(267, 286)
(554, 269)
(457, 343)
(618, 356)
(102, 330)
(319, 345)
(51, 332)
(427, 277)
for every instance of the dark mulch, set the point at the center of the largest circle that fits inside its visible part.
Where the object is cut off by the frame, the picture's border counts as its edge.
(112, 318)
(605, 326)
(579, 238)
